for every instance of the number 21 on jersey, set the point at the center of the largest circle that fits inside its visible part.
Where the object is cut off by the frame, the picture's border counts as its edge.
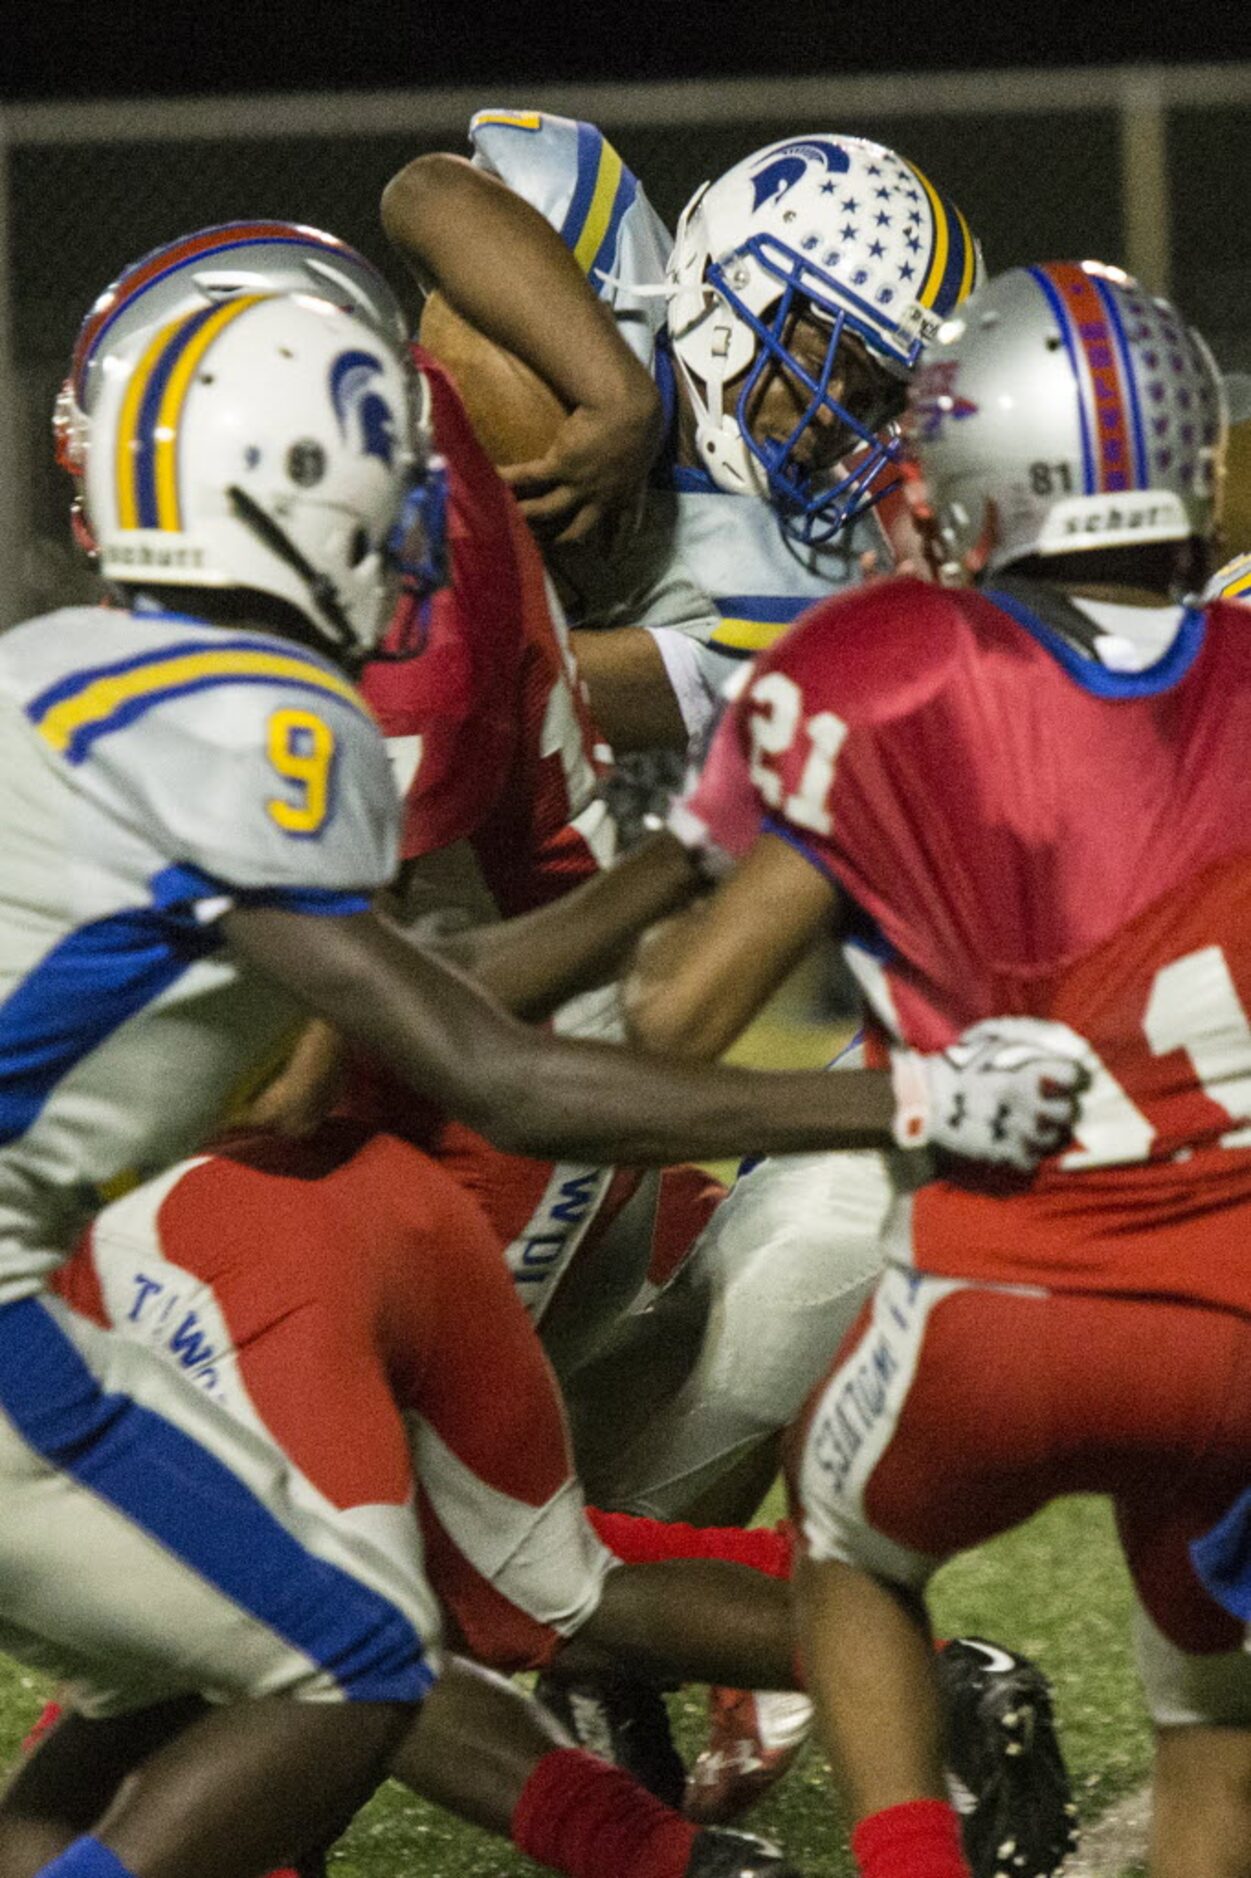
(301, 748)
(777, 711)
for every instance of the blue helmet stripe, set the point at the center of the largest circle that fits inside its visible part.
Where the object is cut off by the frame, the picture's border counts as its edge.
(947, 296)
(144, 466)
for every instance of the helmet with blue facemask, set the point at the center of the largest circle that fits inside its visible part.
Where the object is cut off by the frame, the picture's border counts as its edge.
(853, 240)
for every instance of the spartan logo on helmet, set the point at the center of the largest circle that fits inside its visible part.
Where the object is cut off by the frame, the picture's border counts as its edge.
(787, 166)
(934, 399)
(360, 406)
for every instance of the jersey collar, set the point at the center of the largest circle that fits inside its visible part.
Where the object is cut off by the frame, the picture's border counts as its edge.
(1097, 679)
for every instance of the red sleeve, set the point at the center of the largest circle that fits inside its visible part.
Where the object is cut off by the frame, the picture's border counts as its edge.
(457, 697)
(720, 814)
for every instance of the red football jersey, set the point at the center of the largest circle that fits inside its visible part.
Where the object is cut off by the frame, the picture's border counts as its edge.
(489, 728)
(1020, 830)
(494, 745)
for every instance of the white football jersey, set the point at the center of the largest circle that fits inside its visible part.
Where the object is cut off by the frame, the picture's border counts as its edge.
(709, 564)
(154, 772)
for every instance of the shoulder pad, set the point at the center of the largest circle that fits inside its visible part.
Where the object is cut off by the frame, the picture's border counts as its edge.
(875, 654)
(245, 756)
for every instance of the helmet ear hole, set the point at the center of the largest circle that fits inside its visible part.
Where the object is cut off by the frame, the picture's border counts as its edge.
(358, 547)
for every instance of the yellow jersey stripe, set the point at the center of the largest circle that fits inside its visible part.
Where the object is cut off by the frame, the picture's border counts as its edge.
(514, 120)
(748, 635)
(599, 212)
(107, 695)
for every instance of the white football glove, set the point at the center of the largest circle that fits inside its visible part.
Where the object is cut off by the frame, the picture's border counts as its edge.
(1004, 1093)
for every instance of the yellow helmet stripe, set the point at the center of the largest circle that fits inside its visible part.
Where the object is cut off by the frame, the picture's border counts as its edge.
(146, 451)
(169, 415)
(970, 256)
(938, 258)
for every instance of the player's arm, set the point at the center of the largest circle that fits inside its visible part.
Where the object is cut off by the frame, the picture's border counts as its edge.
(534, 1093)
(533, 964)
(503, 268)
(530, 1091)
(699, 979)
(530, 965)
(633, 696)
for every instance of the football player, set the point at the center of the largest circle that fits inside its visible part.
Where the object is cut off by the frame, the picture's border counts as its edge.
(379, 1346)
(502, 813)
(198, 812)
(1029, 790)
(780, 326)
(490, 735)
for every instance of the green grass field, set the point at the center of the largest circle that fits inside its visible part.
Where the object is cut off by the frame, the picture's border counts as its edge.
(1055, 1589)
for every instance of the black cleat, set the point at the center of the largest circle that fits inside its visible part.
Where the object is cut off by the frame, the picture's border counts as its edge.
(720, 1853)
(622, 1721)
(1005, 1770)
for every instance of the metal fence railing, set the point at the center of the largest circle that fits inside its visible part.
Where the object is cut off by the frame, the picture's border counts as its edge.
(1138, 165)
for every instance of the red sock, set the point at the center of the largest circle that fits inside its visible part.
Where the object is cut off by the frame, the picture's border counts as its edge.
(583, 1817)
(640, 1541)
(45, 1722)
(920, 1839)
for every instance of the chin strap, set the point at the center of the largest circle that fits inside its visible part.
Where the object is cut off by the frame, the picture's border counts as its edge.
(322, 590)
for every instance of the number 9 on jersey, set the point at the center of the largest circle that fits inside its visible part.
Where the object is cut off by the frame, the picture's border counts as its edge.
(301, 748)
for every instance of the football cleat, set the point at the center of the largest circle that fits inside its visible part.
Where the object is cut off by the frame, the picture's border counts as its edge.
(720, 1854)
(754, 1737)
(1005, 1771)
(623, 1721)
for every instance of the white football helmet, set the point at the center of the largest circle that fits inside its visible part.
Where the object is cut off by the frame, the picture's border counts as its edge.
(1065, 408)
(211, 265)
(842, 229)
(271, 443)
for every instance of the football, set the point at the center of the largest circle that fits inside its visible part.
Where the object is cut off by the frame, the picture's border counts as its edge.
(515, 415)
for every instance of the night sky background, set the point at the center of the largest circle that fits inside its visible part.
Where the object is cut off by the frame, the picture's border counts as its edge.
(104, 48)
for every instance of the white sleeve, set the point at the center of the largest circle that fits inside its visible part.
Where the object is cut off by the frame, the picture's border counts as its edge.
(687, 665)
(271, 789)
(578, 182)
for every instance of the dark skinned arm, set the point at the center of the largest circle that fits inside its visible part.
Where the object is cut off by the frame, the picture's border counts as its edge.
(532, 1092)
(632, 697)
(534, 963)
(503, 268)
(530, 965)
(698, 980)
